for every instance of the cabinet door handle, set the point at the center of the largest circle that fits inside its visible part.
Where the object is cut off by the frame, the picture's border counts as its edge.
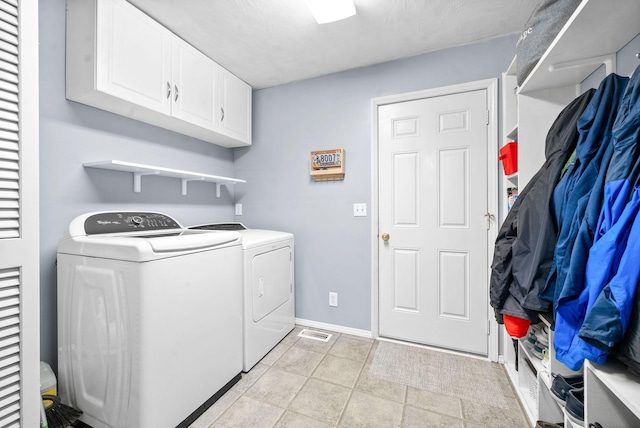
(177, 93)
(222, 111)
(168, 90)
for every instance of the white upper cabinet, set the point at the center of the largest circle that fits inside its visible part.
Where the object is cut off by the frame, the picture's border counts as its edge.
(235, 107)
(194, 93)
(121, 60)
(133, 57)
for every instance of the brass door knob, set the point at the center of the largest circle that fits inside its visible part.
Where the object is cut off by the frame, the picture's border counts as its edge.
(385, 237)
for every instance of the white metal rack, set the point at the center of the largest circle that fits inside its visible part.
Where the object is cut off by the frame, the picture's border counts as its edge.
(140, 170)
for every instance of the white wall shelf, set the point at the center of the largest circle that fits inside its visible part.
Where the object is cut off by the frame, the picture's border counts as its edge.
(612, 394)
(591, 37)
(140, 170)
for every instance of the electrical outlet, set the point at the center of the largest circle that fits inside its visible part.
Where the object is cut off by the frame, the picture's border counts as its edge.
(359, 210)
(333, 299)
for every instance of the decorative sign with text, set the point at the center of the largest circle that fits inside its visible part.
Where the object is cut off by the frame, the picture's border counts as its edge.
(327, 164)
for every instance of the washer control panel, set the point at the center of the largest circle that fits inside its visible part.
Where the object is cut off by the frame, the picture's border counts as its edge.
(119, 222)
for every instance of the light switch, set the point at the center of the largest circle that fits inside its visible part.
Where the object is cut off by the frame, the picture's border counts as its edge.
(238, 209)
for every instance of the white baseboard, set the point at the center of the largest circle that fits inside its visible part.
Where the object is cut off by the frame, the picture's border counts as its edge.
(333, 327)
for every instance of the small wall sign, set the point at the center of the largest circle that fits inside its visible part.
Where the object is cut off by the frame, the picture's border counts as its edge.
(327, 164)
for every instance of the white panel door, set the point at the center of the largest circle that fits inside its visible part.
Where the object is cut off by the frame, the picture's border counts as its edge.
(432, 204)
(134, 56)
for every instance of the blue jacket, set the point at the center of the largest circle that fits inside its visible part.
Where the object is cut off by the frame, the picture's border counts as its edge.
(596, 269)
(609, 312)
(577, 199)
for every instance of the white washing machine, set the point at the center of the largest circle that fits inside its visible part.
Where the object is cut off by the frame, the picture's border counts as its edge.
(149, 324)
(268, 288)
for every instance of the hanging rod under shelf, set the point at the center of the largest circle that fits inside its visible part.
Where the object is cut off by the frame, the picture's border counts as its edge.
(140, 170)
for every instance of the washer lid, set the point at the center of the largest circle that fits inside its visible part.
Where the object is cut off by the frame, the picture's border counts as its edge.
(137, 236)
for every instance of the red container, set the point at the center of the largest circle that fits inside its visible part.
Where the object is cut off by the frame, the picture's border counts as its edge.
(509, 157)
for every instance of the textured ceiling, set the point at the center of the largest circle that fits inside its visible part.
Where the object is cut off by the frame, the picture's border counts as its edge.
(271, 42)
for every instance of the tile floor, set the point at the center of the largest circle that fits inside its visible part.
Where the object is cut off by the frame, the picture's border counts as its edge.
(307, 383)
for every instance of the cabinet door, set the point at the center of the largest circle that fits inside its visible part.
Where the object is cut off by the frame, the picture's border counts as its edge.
(235, 107)
(133, 56)
(194, 86)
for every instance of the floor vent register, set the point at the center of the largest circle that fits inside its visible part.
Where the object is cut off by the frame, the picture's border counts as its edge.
(315, 335)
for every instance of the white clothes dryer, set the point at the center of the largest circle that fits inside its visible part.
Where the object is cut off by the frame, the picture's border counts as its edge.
(149, 324)
(268, 288)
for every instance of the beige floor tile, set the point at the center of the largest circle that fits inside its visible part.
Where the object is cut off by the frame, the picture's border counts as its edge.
(247, 412)
(338, 370)
(321, 400)
(380, 387)
(292, 337)
(249, 378)
(207, 418)
(420, 418)
(298, 360)
(276, 387)
(438, 403)
(364, 410)
(372, 353)
(311, 384)
(274, 354)
(353, 349)
(495, 417)
(296, 420)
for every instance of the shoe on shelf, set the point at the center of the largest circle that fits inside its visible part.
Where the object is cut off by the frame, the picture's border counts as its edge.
(545, 424)
(545, 359)
(542, 336)
(561, 386)
(537, 350)
(575, 405)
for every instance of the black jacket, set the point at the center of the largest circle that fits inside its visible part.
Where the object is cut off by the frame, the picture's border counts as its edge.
(524, 247)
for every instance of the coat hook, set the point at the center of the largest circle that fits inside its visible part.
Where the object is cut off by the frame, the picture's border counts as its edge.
(638, 55)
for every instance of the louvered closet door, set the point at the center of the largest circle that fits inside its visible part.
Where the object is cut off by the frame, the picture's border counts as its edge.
(19, 275)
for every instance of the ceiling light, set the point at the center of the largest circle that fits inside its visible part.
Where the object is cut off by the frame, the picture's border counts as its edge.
(331, 10)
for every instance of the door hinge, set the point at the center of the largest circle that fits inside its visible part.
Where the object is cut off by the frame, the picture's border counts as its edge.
(488, 327)
(488, 114)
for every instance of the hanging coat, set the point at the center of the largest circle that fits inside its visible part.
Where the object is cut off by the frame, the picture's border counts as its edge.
(610, 304)
(579, 193)
(598, 247)
(524, 246)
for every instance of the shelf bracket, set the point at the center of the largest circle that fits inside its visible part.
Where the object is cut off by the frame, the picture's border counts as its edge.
(609, 62)
(218, 187)
(185, 181)
(137, 179)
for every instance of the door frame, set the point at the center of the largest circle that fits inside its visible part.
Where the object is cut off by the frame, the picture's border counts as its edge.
(491, 86)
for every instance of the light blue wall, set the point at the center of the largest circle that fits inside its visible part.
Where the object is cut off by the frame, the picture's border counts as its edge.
(72, 134)
(333, 248)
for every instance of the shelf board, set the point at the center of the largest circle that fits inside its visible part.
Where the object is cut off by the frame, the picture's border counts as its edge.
(620, 382)
(140, 170)
(579, 50)
(537, 362)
